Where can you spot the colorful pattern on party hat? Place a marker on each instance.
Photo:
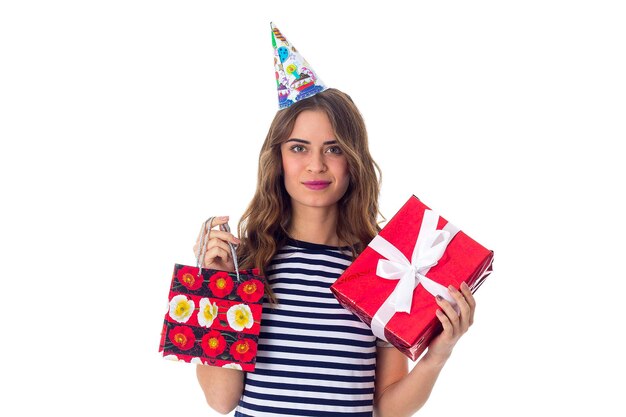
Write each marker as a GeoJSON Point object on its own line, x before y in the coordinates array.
{"type": "Point", "coordinates": [295, 79]}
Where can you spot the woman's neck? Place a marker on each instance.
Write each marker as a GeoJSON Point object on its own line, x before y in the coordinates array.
{"type": "Point", "coordinates": [315, 225]}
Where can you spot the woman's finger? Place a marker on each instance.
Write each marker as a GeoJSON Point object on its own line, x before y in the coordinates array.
{"type": "Point", "coordinates": [225, 236]}
{"type": "Point", "coordinates": [464, 308]}
{"type": "Point", "coordinates": [206, 233]}
{"type": "Point", "coordinates": [219, 220]}
{"type": "Point", "coordinates": [471, 301]}
{"type": "Point", "coordinates": [215, 221]}
{"type": "Point", "coordinates": [450, 312]}
{"type": "Point", "coordinates": [448, 329]}
{"type": "Point", "coordinates": [219, 243]}
{"type": "Point", "coordinates": [214, 253]}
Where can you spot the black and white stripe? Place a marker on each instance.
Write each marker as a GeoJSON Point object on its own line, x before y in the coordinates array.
{"type": "Point", "coordinates": [314, 357]}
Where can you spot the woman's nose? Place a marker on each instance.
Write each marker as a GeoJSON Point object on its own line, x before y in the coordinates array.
{"type": "Point", "coordinates": [317, 163]}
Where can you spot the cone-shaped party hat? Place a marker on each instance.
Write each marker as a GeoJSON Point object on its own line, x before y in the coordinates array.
{"type": "Point", "coordinates": [295, 79]}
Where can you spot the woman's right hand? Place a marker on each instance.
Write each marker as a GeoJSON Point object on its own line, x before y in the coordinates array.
{"type": "Point", "coordinates": [218, 255]}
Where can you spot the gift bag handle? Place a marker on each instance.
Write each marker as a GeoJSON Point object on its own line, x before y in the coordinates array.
{"type": "Point", "coordinates": [206, 231]}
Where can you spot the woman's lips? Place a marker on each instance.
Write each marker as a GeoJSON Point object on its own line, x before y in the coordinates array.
{"type": "Point", "coordinates": [316, 185]}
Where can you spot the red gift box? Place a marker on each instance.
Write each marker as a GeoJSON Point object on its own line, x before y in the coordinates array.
{"type": "Point", "coordinates": [391, 285]}
{"type": "Point", "coordinates": [213, 317]}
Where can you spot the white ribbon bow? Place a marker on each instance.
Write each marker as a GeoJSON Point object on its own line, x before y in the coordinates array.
{"type": "Point", "coordinates": [429, 248]}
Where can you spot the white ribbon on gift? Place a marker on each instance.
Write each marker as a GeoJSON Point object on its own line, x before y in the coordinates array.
{"type": "Point", "coordinates": [429, 248]}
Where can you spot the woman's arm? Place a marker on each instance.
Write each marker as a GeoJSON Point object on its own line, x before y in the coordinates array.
{"type": "Point", "coordinates": [222, 387]}
{"type": "Point", "coordinates": [399, 393]}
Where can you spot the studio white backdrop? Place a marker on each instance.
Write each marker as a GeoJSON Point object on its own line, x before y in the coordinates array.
{"type": "Point", "coordinates": [125, 124]}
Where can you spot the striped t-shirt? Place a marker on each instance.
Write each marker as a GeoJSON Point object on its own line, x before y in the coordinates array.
{"type": "Point", "coordinates": [314, 357]}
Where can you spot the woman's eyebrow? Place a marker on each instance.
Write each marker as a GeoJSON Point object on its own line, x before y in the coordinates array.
{"type": "Point", "coordinates": [329, 142]}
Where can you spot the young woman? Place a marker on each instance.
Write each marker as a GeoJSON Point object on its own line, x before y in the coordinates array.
{"type": "Point", "coordinates": [315, 209]}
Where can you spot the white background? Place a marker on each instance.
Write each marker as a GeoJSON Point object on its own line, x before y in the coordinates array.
{"type": "Point", "coordinates": [124, 124]}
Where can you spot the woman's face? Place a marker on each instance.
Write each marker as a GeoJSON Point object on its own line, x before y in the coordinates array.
{"type": "Point", "coordinates": [314, 166]}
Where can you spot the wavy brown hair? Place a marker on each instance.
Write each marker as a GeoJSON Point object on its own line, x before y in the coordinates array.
{"type": "Point", "coordinates": [263, 226]}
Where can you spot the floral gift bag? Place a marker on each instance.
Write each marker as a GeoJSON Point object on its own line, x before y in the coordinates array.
{"type": "Point", "coordinates": [213, 316]}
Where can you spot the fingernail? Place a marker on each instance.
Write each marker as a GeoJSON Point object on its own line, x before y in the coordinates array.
{"type": "Point", "coordinates": [464, 286]}
{"type": "Point", "coordinates": [438, 297]}
{"type": "Point", "coordinates": [237, 240]}
{"type": "Point", "coordinates": [439, 312]}
{"type": "Point", "coordinates": [451, 288]}
{"type": "Point", "coordinates": [222, 218]}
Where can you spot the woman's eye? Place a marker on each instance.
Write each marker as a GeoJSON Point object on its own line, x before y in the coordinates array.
{"type": "Point", "coordinates": [335, 149]}
{"type": "Point", "coordinates": [297, 148]}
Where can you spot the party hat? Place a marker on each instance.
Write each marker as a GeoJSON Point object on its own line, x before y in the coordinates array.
{"type": "Point", "coordinates": [295, 79]}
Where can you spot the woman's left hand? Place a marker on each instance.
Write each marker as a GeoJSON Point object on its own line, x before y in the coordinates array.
{"type": "Point", "coordinates": [454, 325]}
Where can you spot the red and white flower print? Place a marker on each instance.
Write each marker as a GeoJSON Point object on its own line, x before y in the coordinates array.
{"type": "Point", "coordinates": [181, 308]}
{"type": "Point", "coordinates": [188, 276]}
{"type": "Point", "coordinates": [250, 291]}
{"type": "Point", "coordinates": [240, 317]}
{"type": "Point", "coordinates": [232, 366]}
{"type": "Point", "coordinates": [243, 350]}
{"type": "Point", "coordinates": [182, 337]}
{"type": "Point", "coordinates": [221, 284]}
{"type": "Point", "coordinates": [207, 313]}
{"type": "Point", "coordinates": [213, 343]}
